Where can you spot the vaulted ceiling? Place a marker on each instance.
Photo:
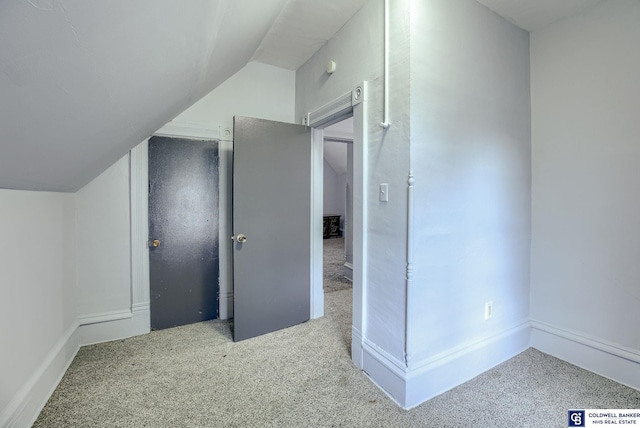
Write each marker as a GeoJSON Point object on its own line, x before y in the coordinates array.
{"type": "Point", "coordinates": [83, 81]}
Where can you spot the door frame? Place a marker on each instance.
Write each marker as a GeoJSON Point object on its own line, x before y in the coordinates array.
{"type": "Point", "coordinates": [139, 203]}
{"type": "Point", "coordinates": [353, 103]}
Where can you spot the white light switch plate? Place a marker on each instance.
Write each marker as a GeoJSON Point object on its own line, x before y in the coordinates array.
{"type": "Point", "coordinates": [384, 192]}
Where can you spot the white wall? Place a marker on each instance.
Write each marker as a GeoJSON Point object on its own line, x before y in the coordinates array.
{"type": "Point", "coordinates": [358, 51]}
{"type": "Point", "coordinates": [586, 184]}
{"type": "Point", "coordinates": [334, 191]}
{"type": "Point", "coordinates": [470, 154]}
{"type": "Point", "coordinates": [103, 243]}
{"type": "Point", "coordinates": [38, 305]}
{"type": "Point", "coordinates": [257, 90]}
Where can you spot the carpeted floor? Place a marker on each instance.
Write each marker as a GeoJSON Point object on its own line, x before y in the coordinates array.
{"type": "Point", "coordinates": [333, 264]}
{"type": "Point", "coordinates": [195, 376]}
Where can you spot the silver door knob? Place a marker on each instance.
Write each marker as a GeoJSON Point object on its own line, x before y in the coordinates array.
{"type": "Point", "coordinates": [241, 238]}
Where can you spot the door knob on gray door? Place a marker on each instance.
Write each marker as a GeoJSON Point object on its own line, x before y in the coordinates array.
{"type": "Point", "coordinates": [241, 238]}
{"type": "Point", "coordinates": [155, 243]}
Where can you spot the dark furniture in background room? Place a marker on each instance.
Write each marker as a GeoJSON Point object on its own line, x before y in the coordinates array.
{"type": "Point", "coordinates": [331, 226]}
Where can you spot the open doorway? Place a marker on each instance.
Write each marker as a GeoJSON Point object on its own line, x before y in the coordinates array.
{"type": "Point", "coordinates": [337, 206]}
{"type": "Point", "coordinates": [337, 233]}
{"type": "Point", "coordinates": [350, 105]}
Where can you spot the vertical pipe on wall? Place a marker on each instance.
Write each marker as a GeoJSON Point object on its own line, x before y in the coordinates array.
{"type": "Point", "coordinates": [385, 123]}
{"type": "Point", "coordinates": [408, 290]}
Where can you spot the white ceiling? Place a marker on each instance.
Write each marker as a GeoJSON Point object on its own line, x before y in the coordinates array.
{"type": "Point", "coordinates": [302, 28]}
{"type": "Point", "coordinates": [533, 15]}
{"type": "Point", "coordinates": [82, 82]}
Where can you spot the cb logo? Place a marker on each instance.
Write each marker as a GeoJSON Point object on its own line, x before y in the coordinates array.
{"type": "Point", "coordinates": [576, 418]}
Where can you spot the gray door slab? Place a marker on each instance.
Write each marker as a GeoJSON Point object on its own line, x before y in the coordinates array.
{"type": "Point", "coordinates": [272, 208]}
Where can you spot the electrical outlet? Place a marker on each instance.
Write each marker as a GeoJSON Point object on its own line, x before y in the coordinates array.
{"type": "Point", "coordinates": [488, 310]}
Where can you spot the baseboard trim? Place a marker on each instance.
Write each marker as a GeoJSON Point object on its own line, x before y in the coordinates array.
{"type": "Point", "coordinates": [105, 317]}
{"type": "Point", "coordinates": [411, 386]}
{"type": "Point", "coordinates": [138, 323]}
{"type": "Point", "coordinates": [612, 361]}
{"type": "Point", "coordinates": [433, 376]}
{"type": "Point", "coordinates": [356, 347]}
{"type": "Point", "coordinates": [348, 271]}
{"type": "Point", "coordinates": [387, 372]}
{"type": "Point", "coordinates": [24, 408]}
{"type": "Point", "coordinates": [226, 305]}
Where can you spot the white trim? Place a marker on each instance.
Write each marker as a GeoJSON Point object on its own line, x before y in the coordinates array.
{"type": "Point", "coordinates": [357, 341]}
{"type": "Point", "coordinates": [453, 367]}
{"type": "Point", "coordinates": [339, 136]}
{"type": "Point", "coordinates": [619, 363]}
{"type": "Point", "coordinates": [386, 371]}
{"type": "Point", "coordinates": [188, 130]}
{"type": "Point", "coordinates": [446, 370]}
{"type": "Point", "coordinates": [465, 348]}
{"type": "Point", "coordinates": [348, 271]}
{"type": "Point", "coordinates": [105, 317]}
{"type": "Point", "coordinates": [139, 203]}
{"type": "Point", "coordinates": [117, 329]}
{"type": "Point", "coordinates": [350, 104]}
{"type": "Point", "coordinates": [359, 215]}
{"type": "Point", "coordinates": [385, 120]}
{"type": "Point", "coordinates": [26, 405]}
{"type": "Point", "coordinates": [315, 238]}
{"type": "Point", "coordinates": [225, 220]}
{"type": "Point", "coordinates": [409, 274]}
{"type": "Point", "coordinates": [225, 300]}
{"type": "Point", "coordinates": [332, 112]}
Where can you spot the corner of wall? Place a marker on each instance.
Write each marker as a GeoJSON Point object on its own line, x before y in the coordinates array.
{"type": "Point", "coordinates": [26, 405]}
{"type": "Point", "coordinates": [421, 381]}
{"type": "Point", "coordinates": [606, 359]}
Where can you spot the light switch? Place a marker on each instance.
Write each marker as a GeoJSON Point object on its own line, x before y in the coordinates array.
{"type": "Point", "coordinates": [384, 192]}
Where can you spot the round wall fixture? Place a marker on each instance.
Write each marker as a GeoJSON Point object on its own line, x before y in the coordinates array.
{"type": "Point", "coordinates": [331, 67]}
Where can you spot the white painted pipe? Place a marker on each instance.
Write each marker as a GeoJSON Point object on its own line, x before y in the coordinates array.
{"type": "Point", "coordinates": [385, 123]}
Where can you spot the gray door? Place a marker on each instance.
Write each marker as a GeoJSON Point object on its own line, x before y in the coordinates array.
{"type": "Point", "coordinates": [272, 215]}
{"type": "Point", "coordinates": [183, 231]}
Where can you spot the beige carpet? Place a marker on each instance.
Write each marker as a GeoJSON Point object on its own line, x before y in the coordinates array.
{"type": "Point", "coordinates": [195, 376]}
{"type": "Point", "coordinates": [333, 265]}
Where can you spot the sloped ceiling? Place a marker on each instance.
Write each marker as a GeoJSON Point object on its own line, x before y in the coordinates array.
{"type": "Point", "coordinates": [302, 28]}
{"type": "Point", "coordinates": [83, 81]}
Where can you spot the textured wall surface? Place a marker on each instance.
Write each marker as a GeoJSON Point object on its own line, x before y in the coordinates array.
{"type": "Point", "coordinates": [358, 51]}
{"type": "Point", "coordinates": [470, 154]}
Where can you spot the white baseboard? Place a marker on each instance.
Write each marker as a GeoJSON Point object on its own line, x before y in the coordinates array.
{"type": "Point", "coordinates": [444, 371]}
{"type": "Point", "coordinates": [356, 347]}
{"type": "Point", "coordinates": [104, 317]}
{"type": "Point", "coordinates": [426, 379]}
{"type": "Point", "coordinates": [348, 271]}
{"type": "Point", "coordinates": [226, 305]}
{"type": "Point", "coordinates": [115, 329]}
{"type": "Point", "coordinates": [612, 361]}
{"type": "Point", "coordinates": [24, 408]}
{"type": "Point", "coordinates": [387, 372]}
